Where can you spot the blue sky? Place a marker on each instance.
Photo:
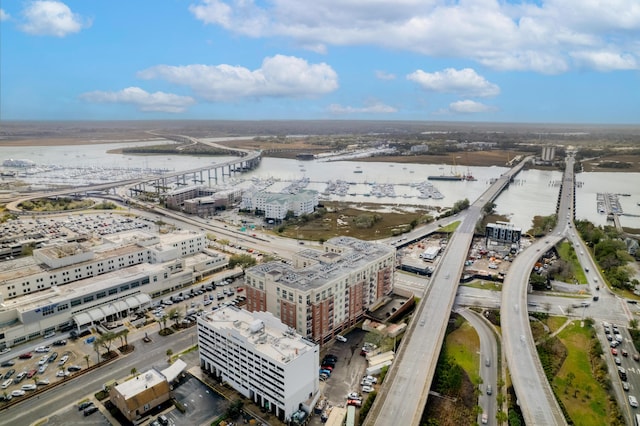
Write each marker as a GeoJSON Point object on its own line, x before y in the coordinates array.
{"type": "Point", "coordinates": [562, 61]}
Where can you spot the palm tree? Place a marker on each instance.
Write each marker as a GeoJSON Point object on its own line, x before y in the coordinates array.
{"type": "Point", "coordinates": [134, 371]}
{"type": "Point", "coordinates": [107, 339]}
{"type": "Point", "coordinates": [35, 380]}
{"type": "Point", "coordinates": [125, 333]}
{"type": "Point", "coordinates": [61, 368]}
{"type": "Point", "coordinates": [163, 320]}
{"type": "Point", "coordinates": [169, 353]}
{"type": "Point", "coordinates": [175, 315]}
{"type": "Point", "coordinates": [96, 346]}
{"type": "Point", "coordinates": [86, 358]}
{"type": "Point", "coordinates": [633, 323]}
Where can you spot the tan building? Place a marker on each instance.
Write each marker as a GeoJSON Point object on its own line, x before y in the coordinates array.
{"type": "Point", "coordinates": [324, 291]}
{"type": "Point", "coordinates": [137, 396]}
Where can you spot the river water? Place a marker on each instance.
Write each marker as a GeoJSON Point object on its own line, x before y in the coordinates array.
{"type": "Point", "coordinates": [534, 192]}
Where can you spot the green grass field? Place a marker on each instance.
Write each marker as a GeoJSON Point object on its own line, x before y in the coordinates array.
{"type": "Point", "coordinates": [585, 400]}
{"type": "Point", "coordinates": [567, 253]}
{"type": "Point", "coordinates": [463, 346]}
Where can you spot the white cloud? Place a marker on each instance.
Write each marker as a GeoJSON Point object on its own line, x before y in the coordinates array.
{"type": "Point", "coordinates": [4, 16]}
{"type": "Point", "coordinates": [464, 82]}
{"type": "Point", "coordinates": [606, 61]}
{"type": "Point", "coordinates": [279, 76]}
{"type": "Point", "coordinates": [526, 35]}
{"type": "Point", "coordinates": [469, 107]}
{"type": "Point", "coordinates": [370, 108]}
{"type": "Point", "coordinates": [383, 75]}
{"type": "Point", "coordinates": [52, 18]}
{"type": "Point", "coordinates": [143, 100]}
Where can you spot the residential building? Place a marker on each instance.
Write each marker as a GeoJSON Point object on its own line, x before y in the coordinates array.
{"type": "Point", "coordinates": [323, 292]}
{"type": "Point", "coordinates": [276, 205]}
{"type": "Point", "coordinates": [261, 358]}
{"type": "Point", "coordinates": [503, 232]}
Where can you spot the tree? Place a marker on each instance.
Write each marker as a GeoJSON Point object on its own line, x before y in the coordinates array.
{"type": "Point", "coordinates": [134, 371]}
{"type": "Point", "coordinates": [96, 347]}
{"type": "Point", "coordinates": [35, 379]}
{"type": "Point", "coordinates": [501, 417]}
{"type": "Point", "coordinates": [570, 377]}
{"type": "Point", "coordinates": [169, 353]}
{"type": "Point", "coordinates": [175, 315]}
{"type": "Point", "coordinates": [125, 333]}
{"type": "Point", "coordinates": [243, 260]}
{"type": "Point", "coordinates": [107, 339]}
{"type": "Point", "coordinates": [86, 358]}
{"type": "Point", "coordinates": [633, 323]}
{"type": "Point", "coordinates": [163, 320]}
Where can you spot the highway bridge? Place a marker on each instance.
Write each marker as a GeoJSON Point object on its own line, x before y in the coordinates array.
{"type": "Point", "coordinates": [535, 396]}
{"type": "Point", "coordinates": [404, 393]}
{"type": "Point", "coordinates": [247, 160]}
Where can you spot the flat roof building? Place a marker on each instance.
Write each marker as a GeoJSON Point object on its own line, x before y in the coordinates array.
{"type": "Point", "coordinates": [325, 291]}
{"type": "Point", "coordinates": [261, 358]}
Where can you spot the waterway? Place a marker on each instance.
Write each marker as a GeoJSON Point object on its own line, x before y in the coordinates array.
{"type": "Point", "coordinates": [534, 192]}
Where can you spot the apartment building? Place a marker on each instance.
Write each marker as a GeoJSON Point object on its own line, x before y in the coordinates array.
{"type": "Point", "coordinates": [277, 205]}
{"type": "Point", "coordinates": [261, 358]}
{"type": "Point", "coordinates": [323, 292]}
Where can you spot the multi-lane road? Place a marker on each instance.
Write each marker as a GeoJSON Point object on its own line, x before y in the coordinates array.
{"type": "Point", "coordinates": [404, 393]}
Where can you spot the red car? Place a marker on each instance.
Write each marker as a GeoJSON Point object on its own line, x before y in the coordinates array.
{"type": "Point", "coordinates": [614, 351]}
{"type": "Point", "coordinates": [26, 355]}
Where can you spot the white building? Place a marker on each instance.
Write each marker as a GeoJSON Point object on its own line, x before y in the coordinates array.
{"type": "Point", "coordinates": [71, 285]}
{"type": "Point", "coordinates": [261, 358]}
{"type": "Point", "coordinates": [276, 205]}
{"type": "Point", "coordinates": [323, 292]}
{"type": "Point", "coordinates": [548, 153]}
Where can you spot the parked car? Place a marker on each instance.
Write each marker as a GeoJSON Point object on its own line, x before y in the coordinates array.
{"type": "Point", "coordinates": [90, 410]}
{"type": "Point", "coordinates": [42, 382]}
{"type": "Point", "coordinates": [74, 368]}
{"type": "Point", "coordinates": [6, 383]}
{"type": "Point", "coordinates": [625, 386]}
{"type": "Point", "coordinates": [62, 373]}
{"type": "Point", "coordinates": [633, 401]}
{"type": "Point", "coordinates": [85, 404]}
{"type": "Point", "coordinates": [20, 392]}
{"type": "Point", "coordinates": [614, 351]}
{"type": "Point", "coordinates": [367, 389]}
{"type": "Point", "coordinates": [42, 368]}
{"type": "Point", "coordinates": [29, 387]}
{"type": "Point", "coordinates": [5, 351]}
{"type": "Point", "coordinates": [42, 349]}
{"type": "Point", "coordinates": [49, 334]}
{"type": "Point", "coordinates": [625, 353]}
{"type": "Point", "coordinates": [617, 361]}
{"type": "Point", "coordinates": [64, 359]}
{"type": "Point", "coordinates": [59, 342]}
{"type": "Point", "coordinates": [31, 373]}
{"type": "Point", "coordinates": [9, 373]}
{"type": "Point", "coordinates": [26, 355]}
{"type": "Point", "coordinates": [20, 377]}
{"type": "Point", "coordinates": [9, 363]}
{"type": "Point", "coordinates": [340, 338]}
{"type": "Point", "coordinates": [53, 356]}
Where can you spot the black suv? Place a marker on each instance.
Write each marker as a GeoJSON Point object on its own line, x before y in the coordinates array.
{"type": "Point", "coordinates": [59, 343]}
{"type": "Point", "coordinates": [90, 410]}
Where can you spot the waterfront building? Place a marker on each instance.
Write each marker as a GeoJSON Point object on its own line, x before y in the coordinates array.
{"type": "Point", "coordinates": [323, 292]}
{"type": "Point", "coordinates": [276, 205]}
{"type": "Point", "coordinates": [261, 358]}
{"type": "Point", "coordinates": [503, 232]}
{"type": "Point", "coordinates": [202, 200]}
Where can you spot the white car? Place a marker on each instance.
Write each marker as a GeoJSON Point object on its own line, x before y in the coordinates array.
{"type": "Point", "coordinates": [367, 389]}
{"type": "Point", "coordinates": [29, 387]}
{"type": "Point", "coordinates": [4, 351]}
{"type": "Point", "coordinates": [18, 392]}
{"type": "Point", "coordinates": [43, 360]}
{"type": "Point", "coordinates": [6, 383]}
{"type": "Point", "coordinates": [633, 401]}
{"type": "Point", "coordinates": [43, 382]}
{"type": "Point", "coordinates": [340, 338]}
{"type": "Point", "coordinates": [62, 373]}
{"type": "Point", "coordinates": [370, 379]}
{"type": "Point", "coordinates": [63, 360]}
{"type": "Point", "coordinates": [353, 395]}
{"type": "Point", "coordinates": [42, 349]}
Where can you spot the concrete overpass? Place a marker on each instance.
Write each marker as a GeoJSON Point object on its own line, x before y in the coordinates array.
{"type": "Point", "coordinates": [404, 393]}
{"type": "Point", "coordinates": [535, 396]}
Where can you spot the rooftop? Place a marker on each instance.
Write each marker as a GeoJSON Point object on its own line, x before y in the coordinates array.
{"type": "Point", "coordinates": [261, 330]}
{"type": "Point", "coordinates": [134, 387]}
{"type": "Point", "coordinates": [330, 265]}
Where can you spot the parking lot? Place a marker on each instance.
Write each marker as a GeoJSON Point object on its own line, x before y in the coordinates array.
{"type": "Point", "coordinates": [347, 373]}
{"type": "Point", "coordinates": [71, 415]}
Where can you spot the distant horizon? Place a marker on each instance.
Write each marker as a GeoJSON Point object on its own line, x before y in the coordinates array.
{"type": "Point", "coordinates": [512, 62]}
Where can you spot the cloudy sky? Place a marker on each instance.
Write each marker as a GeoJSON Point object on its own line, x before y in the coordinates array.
{"type": "Point", "coordinates": [566, 61]}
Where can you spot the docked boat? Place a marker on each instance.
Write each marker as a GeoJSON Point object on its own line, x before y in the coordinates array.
{"type": "Point", "coordinates": [446, 177]}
